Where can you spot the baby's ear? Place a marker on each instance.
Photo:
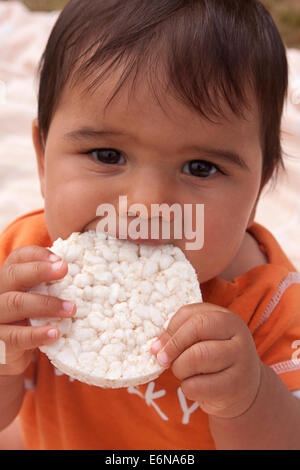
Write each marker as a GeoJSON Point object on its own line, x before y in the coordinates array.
{"type": "Point", "coordinates": [39, 153]}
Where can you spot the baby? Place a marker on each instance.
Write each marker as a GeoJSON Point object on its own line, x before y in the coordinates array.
{"type": "Point", "coordinates": [173, 101]}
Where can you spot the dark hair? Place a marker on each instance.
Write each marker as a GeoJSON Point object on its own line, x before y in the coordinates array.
{"type": "Point", "coordinates": [210, 50]}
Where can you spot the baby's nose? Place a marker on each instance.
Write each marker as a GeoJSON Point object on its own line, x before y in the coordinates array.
{"type": "Point", "coordinates": [148, 188]}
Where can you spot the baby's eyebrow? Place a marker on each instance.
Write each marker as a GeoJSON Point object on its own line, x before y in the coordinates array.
{"type": "Point", "coordinates": [88, 133]}
{"type": "Point", "coordinates": [222, 154]}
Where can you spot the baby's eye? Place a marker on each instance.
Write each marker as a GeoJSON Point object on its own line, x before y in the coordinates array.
{"type": "Point", "coordinates": [200, 168]}
{"type": "Point", "coordinates": [108, 156]}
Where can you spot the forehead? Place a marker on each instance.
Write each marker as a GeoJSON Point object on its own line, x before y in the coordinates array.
{"type": "Point", "coordinates": [141, 105]}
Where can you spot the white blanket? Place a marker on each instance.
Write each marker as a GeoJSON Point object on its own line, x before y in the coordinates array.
{"type": "Point", "coordinates": [23, 35]}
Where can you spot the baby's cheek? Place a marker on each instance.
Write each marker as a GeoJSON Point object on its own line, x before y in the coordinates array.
{"type": "Point", "coordinates": [221, 243]}
{"type": "Point", "coordinates": [68, 207]}
{"type": "Point", "coordinates": [61, 218]}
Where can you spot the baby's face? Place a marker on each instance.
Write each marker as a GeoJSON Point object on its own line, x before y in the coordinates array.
{"type": "Point", "coordinates": [150, 163]}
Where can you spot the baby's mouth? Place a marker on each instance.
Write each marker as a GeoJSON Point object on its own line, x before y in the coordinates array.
{"type": "Point", "coordinates": [146, 241]}
{"type": "Point", "coordinates": [138, 239]}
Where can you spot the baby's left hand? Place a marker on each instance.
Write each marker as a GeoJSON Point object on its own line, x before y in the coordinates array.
{"type": "Point", "coordinates": [212, 352]}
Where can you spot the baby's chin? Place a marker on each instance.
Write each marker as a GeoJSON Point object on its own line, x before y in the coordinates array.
{"type": "Point", "coordinates": [206, 266]}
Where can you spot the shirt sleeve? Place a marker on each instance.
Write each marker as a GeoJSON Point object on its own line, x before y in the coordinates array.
{"type": "Point", "coordinates": [277, 334]}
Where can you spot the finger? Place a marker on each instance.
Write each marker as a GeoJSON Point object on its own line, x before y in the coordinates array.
{"type": "Point", "coordinates": [182, 315]}
{"type": "Point", "coordinates": [202, 326]}
{"type": "Point", "coordinates": [18, 306]}
{"type": "Point", "coordinates": [26, 254]}
{"type": "Point", "coordinates": [220, 394]}
{"type": "Point", "coordinates": [206, 357]}
{"type": "Point", "coordinates": [209, 389]}
{"type": "Point", "coordinates": [21, 277]}
{"type": "Point", "coordinates": [16, 338]}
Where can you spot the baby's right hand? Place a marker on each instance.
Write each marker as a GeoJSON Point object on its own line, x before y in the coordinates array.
{"type": "Point", "coordinates": [24, 269]}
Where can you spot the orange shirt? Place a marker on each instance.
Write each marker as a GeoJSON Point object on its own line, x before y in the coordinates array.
{"type": "Point", "coordinates": [62, 413]}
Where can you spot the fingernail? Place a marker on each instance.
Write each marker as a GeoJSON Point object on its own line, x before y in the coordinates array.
{"type": "Point", "coordinates": [57, 266]}
{"type": "Point", "coordinates": [163, 359]}
{"type": "Point", "coordinates": [54, 258]}
{"type": "Point", "coordinates": [68, 306]}
{"type": "Point", "coordinates": [156, 347]}
{"type": "Point", "coordinates": [52, 334]}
